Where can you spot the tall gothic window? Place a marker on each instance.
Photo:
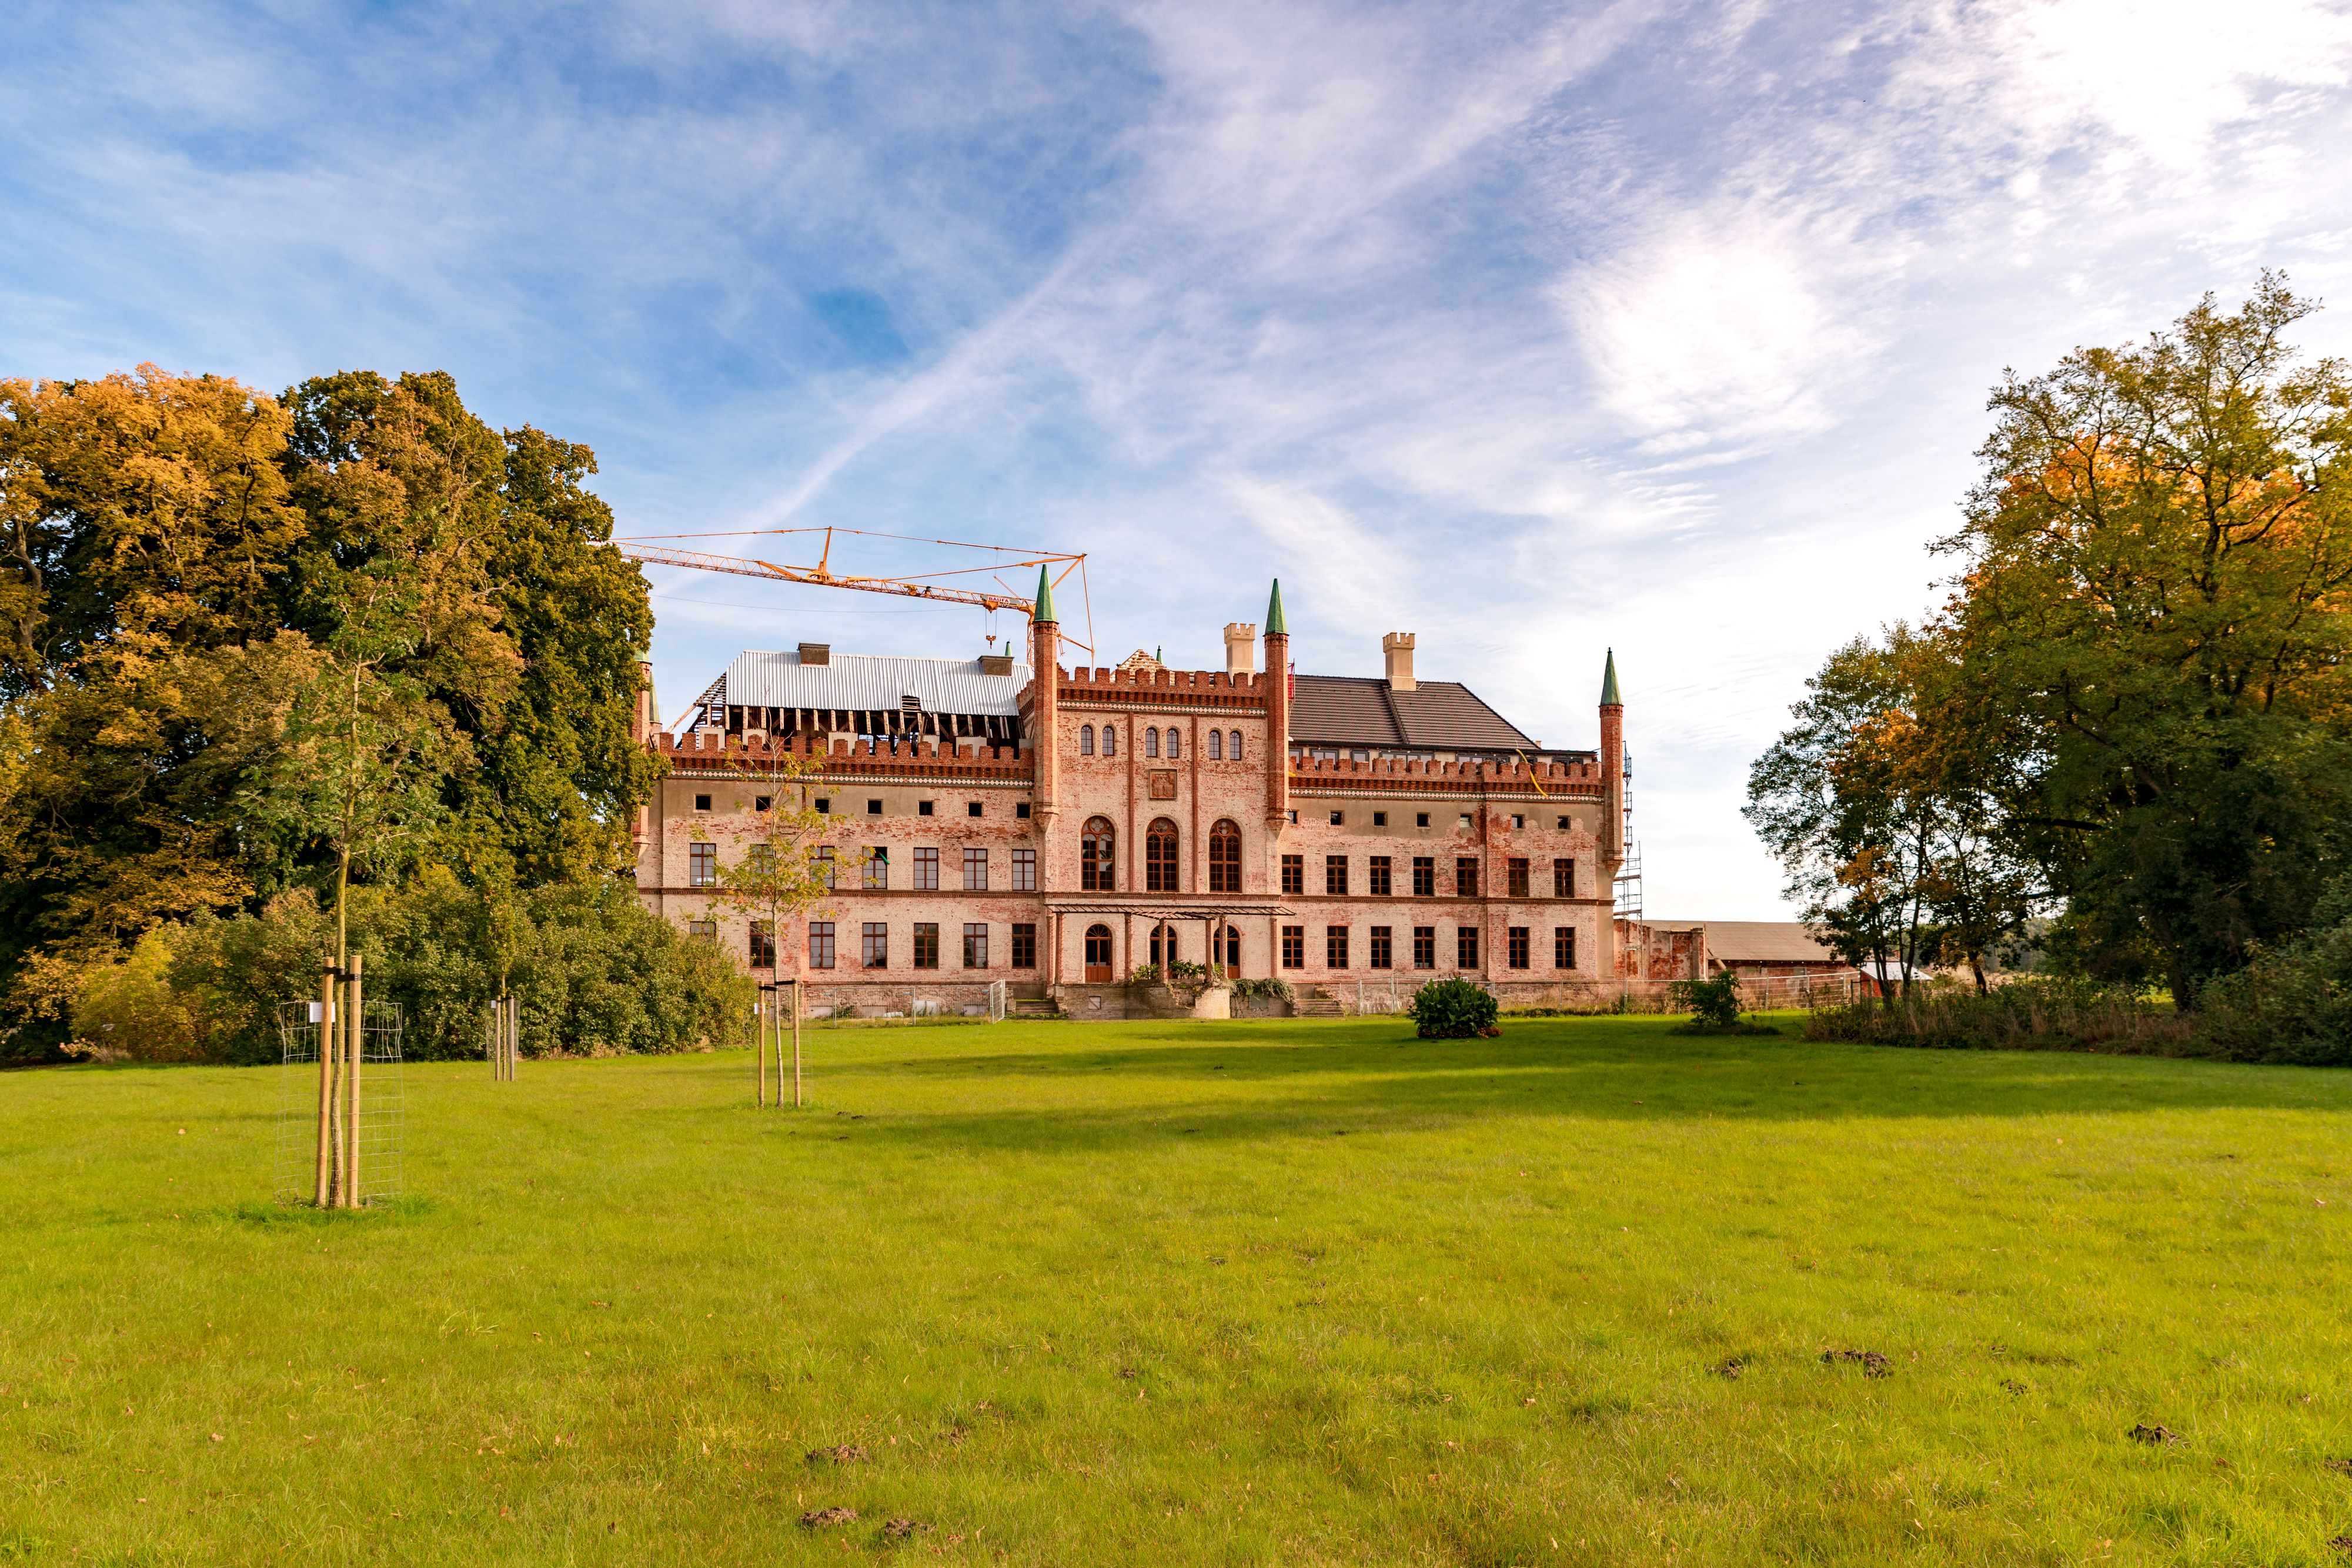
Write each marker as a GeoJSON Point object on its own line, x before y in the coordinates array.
{"type": "Point", "coordinates": [1094, 856]}
{"type": "Point", "coordinates": [1216, 745]}
{"type": "Point", "coordinates": [1151, 743]}
{"type": "Point", "coordinates": [1160, 857]}
{"type": "Point", "coordinates": [1175, 744]}
{"type": "Point", "coordinates": [1085, 740]}
{"type": "Point", "coordinates": [1110, 741]}
{"type": "Point", "coordinates": [1224, 857]}
{"type": "Point", "coordinates": [1234, 747]}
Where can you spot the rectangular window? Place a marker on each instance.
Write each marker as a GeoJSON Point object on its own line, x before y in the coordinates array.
{"type": "Point", "coordinates": [1293, 947]}
{"type": "Point", "coordinates": [1335, 946]}
{"type": "Point", "coordinates": [763, 945]}
{"type": "Point", "coordinates": [1338, 818]}
{"type": "Point", "coordinates": [706, 929]}
{"type": "Point", "coordinates": [702, 802]}
{"type": "Point", "coordinates": [1334, 875]}
{"type": "Point", "coordinates": [1466, 947]}
{"type": "Point", "coordinates": [762, 803]}
{"type": "Point", "coordinates": [922, 807]}
{"type": "Point", "coordinates": [873, 807]}
{"type": "Point", "coordinates": [971, 809]}
{"type": "Point", "coordinates": [1519, 958]}
{"type": "Point", "coordinates": [1563, 946]}
{"type": "Point", "coordinates": [826, 867]}
{"type": "Point", "coordinates": [824, 806]}
{"type": "Point", "coordinates": [1515, 871]}
{"type": "Point", "coordinates": [877, 866]}
{"type": "Point", "coordinates": [926, 944]}
{"type": "Point", "coordinates": [975, 945]}
{"type": "Point", "coordinates": [1425, 946]}
{"type": "Point", "coordinates": [1465, 877]}
{"type": "Point", "coordinates": [1518, 821]}
{"type": "Point", "coordinates": [702, 865]}
{"type": "Point", "coordinates": [875, 939]}
{"type": "Point", "coordinates": [1375, 876]}
{"type": "Point", "coordinates": [1380, 818]}
{"type": "Point", "coordinates": [1563, 879]}
{"type": "Point", "coordinates": [1025, 946]}
{"type": "Point", "coordinates": [975, 870]}
{"type": "Point", "coordinates": [1420, 819]}
{"type": "Point", "coordinates": [1020, 810]}
{"type": "Point", "coordinates": [1294, 873]}
{"type": "Point", "coordinates": [1425, 876]}
{"type": "Point", "coordinates": [1382, 953]}
{"type": "Point", "coordinates": [820, 943]}
{"type": "Point", "coordinates": [926, 871]}
{"type": "Point", "coordinates": [1024, 871]}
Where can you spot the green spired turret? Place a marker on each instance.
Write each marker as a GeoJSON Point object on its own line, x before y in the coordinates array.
{"type": "Point", "coordinates": [1274, 626]}
{"type": "Point", "coordinates": [1045, 610]}
{"type": "Point", "coordinates": [1609, 697]}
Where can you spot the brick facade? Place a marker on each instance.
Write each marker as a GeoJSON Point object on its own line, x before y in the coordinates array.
{"type": "Point", "coordinates": [1512, 823]}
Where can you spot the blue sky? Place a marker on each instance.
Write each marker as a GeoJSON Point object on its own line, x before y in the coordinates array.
{"type": "Point", "coordinates": [1531, 329]}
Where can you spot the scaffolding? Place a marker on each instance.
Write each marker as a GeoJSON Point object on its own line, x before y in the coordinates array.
{"type": "Point", "coordinates": [1626, 888]}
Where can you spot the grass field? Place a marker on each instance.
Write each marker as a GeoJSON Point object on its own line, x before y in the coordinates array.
{"type": "Point", "coordinates": [1172, 1293]}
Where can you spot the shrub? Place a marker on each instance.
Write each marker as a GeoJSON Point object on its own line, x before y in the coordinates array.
{"type": "Point", "coordinates": [1452, 1010]}
{"type": "Point", "coordinates": [1714, 1004]}
{"type": "Point", "coordinates": [1273, 987]}
{"type": "Point", "coordinates": [2023, 1014]}
{"type": "Point", "coordinates": [2291, 1004]}
{"type": "Point", "coordinates": [128, 1012]}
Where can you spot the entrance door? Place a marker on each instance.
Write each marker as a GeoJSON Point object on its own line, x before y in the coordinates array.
{"type": "Point", "coordinates": [1097, 955]}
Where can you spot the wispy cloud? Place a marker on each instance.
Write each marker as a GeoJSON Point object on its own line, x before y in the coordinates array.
{"type": "Point", "coordinates": [1659, 324]}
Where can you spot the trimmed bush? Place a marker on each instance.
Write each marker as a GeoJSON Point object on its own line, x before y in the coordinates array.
{"type": "Point", "coordinates": [1714, 1004]}
{"type": "Point", "coordinates": [1453, 1009]}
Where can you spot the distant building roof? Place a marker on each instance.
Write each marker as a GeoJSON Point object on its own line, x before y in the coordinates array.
{"type": "Point", "coordinates": [1759, 941]}
{"type": "Point", "coordinates": [1435, 716]}
{"type": "Point", "coordinates": [864, 681]}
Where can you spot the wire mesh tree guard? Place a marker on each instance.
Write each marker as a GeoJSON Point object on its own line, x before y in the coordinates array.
{"type": "Point", "coordinates": [341, 1133]}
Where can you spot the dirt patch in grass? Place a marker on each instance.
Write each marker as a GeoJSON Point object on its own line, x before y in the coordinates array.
{"type": "Point", "coordinates": [818, 1518]}
{"type": "Point", "coordinates": [1873, 1364]}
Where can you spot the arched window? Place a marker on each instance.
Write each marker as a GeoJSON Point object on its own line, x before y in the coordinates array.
{"type": "Point", "coordinates": [1216, 745]}
{"type": "Point", "coordinates": [1094, 858]}
{"type": "Point", "coordinates": [1175, 744]}
{"type": "Point", "coordinates": [1085, 740]}
{"type": "Point", "coordinates": [1151, 743]}
{"type": "Point", "coordinates": [1110, 741]}
{"type": "Point", "coordinates": [1234, 747]}
{"type": "Point", "coordinates": [1232, 956]}
{"type": "Point", "coordinates": [1163, 945]}
{"type": "Point", "coordinates": [1225, 858]}
{"type": "Point", "coordinates": [1160, 856]}
{"type": "Point", "coordinates": [1097, 955]}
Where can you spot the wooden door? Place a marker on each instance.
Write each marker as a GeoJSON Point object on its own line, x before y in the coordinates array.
{"type": "Point", "coordinates": [1098, 955]}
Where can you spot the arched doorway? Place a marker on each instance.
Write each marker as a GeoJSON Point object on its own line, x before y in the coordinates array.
{"type": "Point", "coordinates": [1230, 954]}
{"type": "Point", "coordinates": [1099, 963]}
{"type": "Point", "coordinates": [1163, 943]}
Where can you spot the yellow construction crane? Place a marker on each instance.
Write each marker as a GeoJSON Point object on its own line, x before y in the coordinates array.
{"type": "Point", "coordinates": [921, 585]}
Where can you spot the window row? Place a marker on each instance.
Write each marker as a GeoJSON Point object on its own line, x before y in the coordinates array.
{"type": "Point", "coordinates": [874, 945]}
{"type": "Point", "coordinates": [1162, 862]}
{"type": "Point", "coordinates": [1379, 876]}
{"type": "Point", "coordinates": [1223, 745]}
{"type": "Point", "coordinates": [874, 867]}
{"type": "Point", "coordinates": [824, 805]}
{"type": "Point", "coordinates": [1380, 949]}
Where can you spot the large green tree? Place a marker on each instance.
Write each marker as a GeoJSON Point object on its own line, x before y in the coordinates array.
{"type": "Point", "coordinates": [190, 570]}
{"type": "Point", "coordinates": [2156, 570]}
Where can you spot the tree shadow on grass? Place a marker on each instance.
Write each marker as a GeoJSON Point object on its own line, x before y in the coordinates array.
{"type": "Point", "coordinates": [1373, 1076]}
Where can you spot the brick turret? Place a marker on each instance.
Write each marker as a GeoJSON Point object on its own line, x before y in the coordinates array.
{"type": "Point", "coordinates": [1277, 712]}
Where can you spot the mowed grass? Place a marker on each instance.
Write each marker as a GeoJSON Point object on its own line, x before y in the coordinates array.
{"type": "Point", "coordinates": [1172, 1293]}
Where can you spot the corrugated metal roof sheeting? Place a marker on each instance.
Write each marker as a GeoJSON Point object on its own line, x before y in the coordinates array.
{"type": "Point", "coordinates": [872, 682]}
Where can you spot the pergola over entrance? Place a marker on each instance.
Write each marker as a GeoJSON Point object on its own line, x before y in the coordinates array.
{"type": "Point", "coordinates": [1207, 918]}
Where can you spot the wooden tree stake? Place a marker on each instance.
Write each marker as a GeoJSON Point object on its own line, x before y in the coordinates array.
{"type": "Point", "coordinates": [324, 1192]}
{"type": "Point", "coordinates": [355, 1010]}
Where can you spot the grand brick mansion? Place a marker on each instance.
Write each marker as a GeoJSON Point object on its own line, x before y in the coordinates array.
{"type": "Point", "coordinates": [1057, 829]}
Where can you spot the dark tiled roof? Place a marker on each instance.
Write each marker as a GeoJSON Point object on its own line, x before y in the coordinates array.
{"type": "Point", "coordinates": [1435, 716]}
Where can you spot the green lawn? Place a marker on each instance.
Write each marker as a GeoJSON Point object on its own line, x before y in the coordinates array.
{"type": "Point", "coordinates": [1162, 1293]}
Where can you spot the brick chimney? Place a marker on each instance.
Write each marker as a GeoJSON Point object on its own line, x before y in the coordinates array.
{"type": "Point", "coordinates": [1398, 646]}
{"type": "Point", "coordinates": [1241, 647]}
